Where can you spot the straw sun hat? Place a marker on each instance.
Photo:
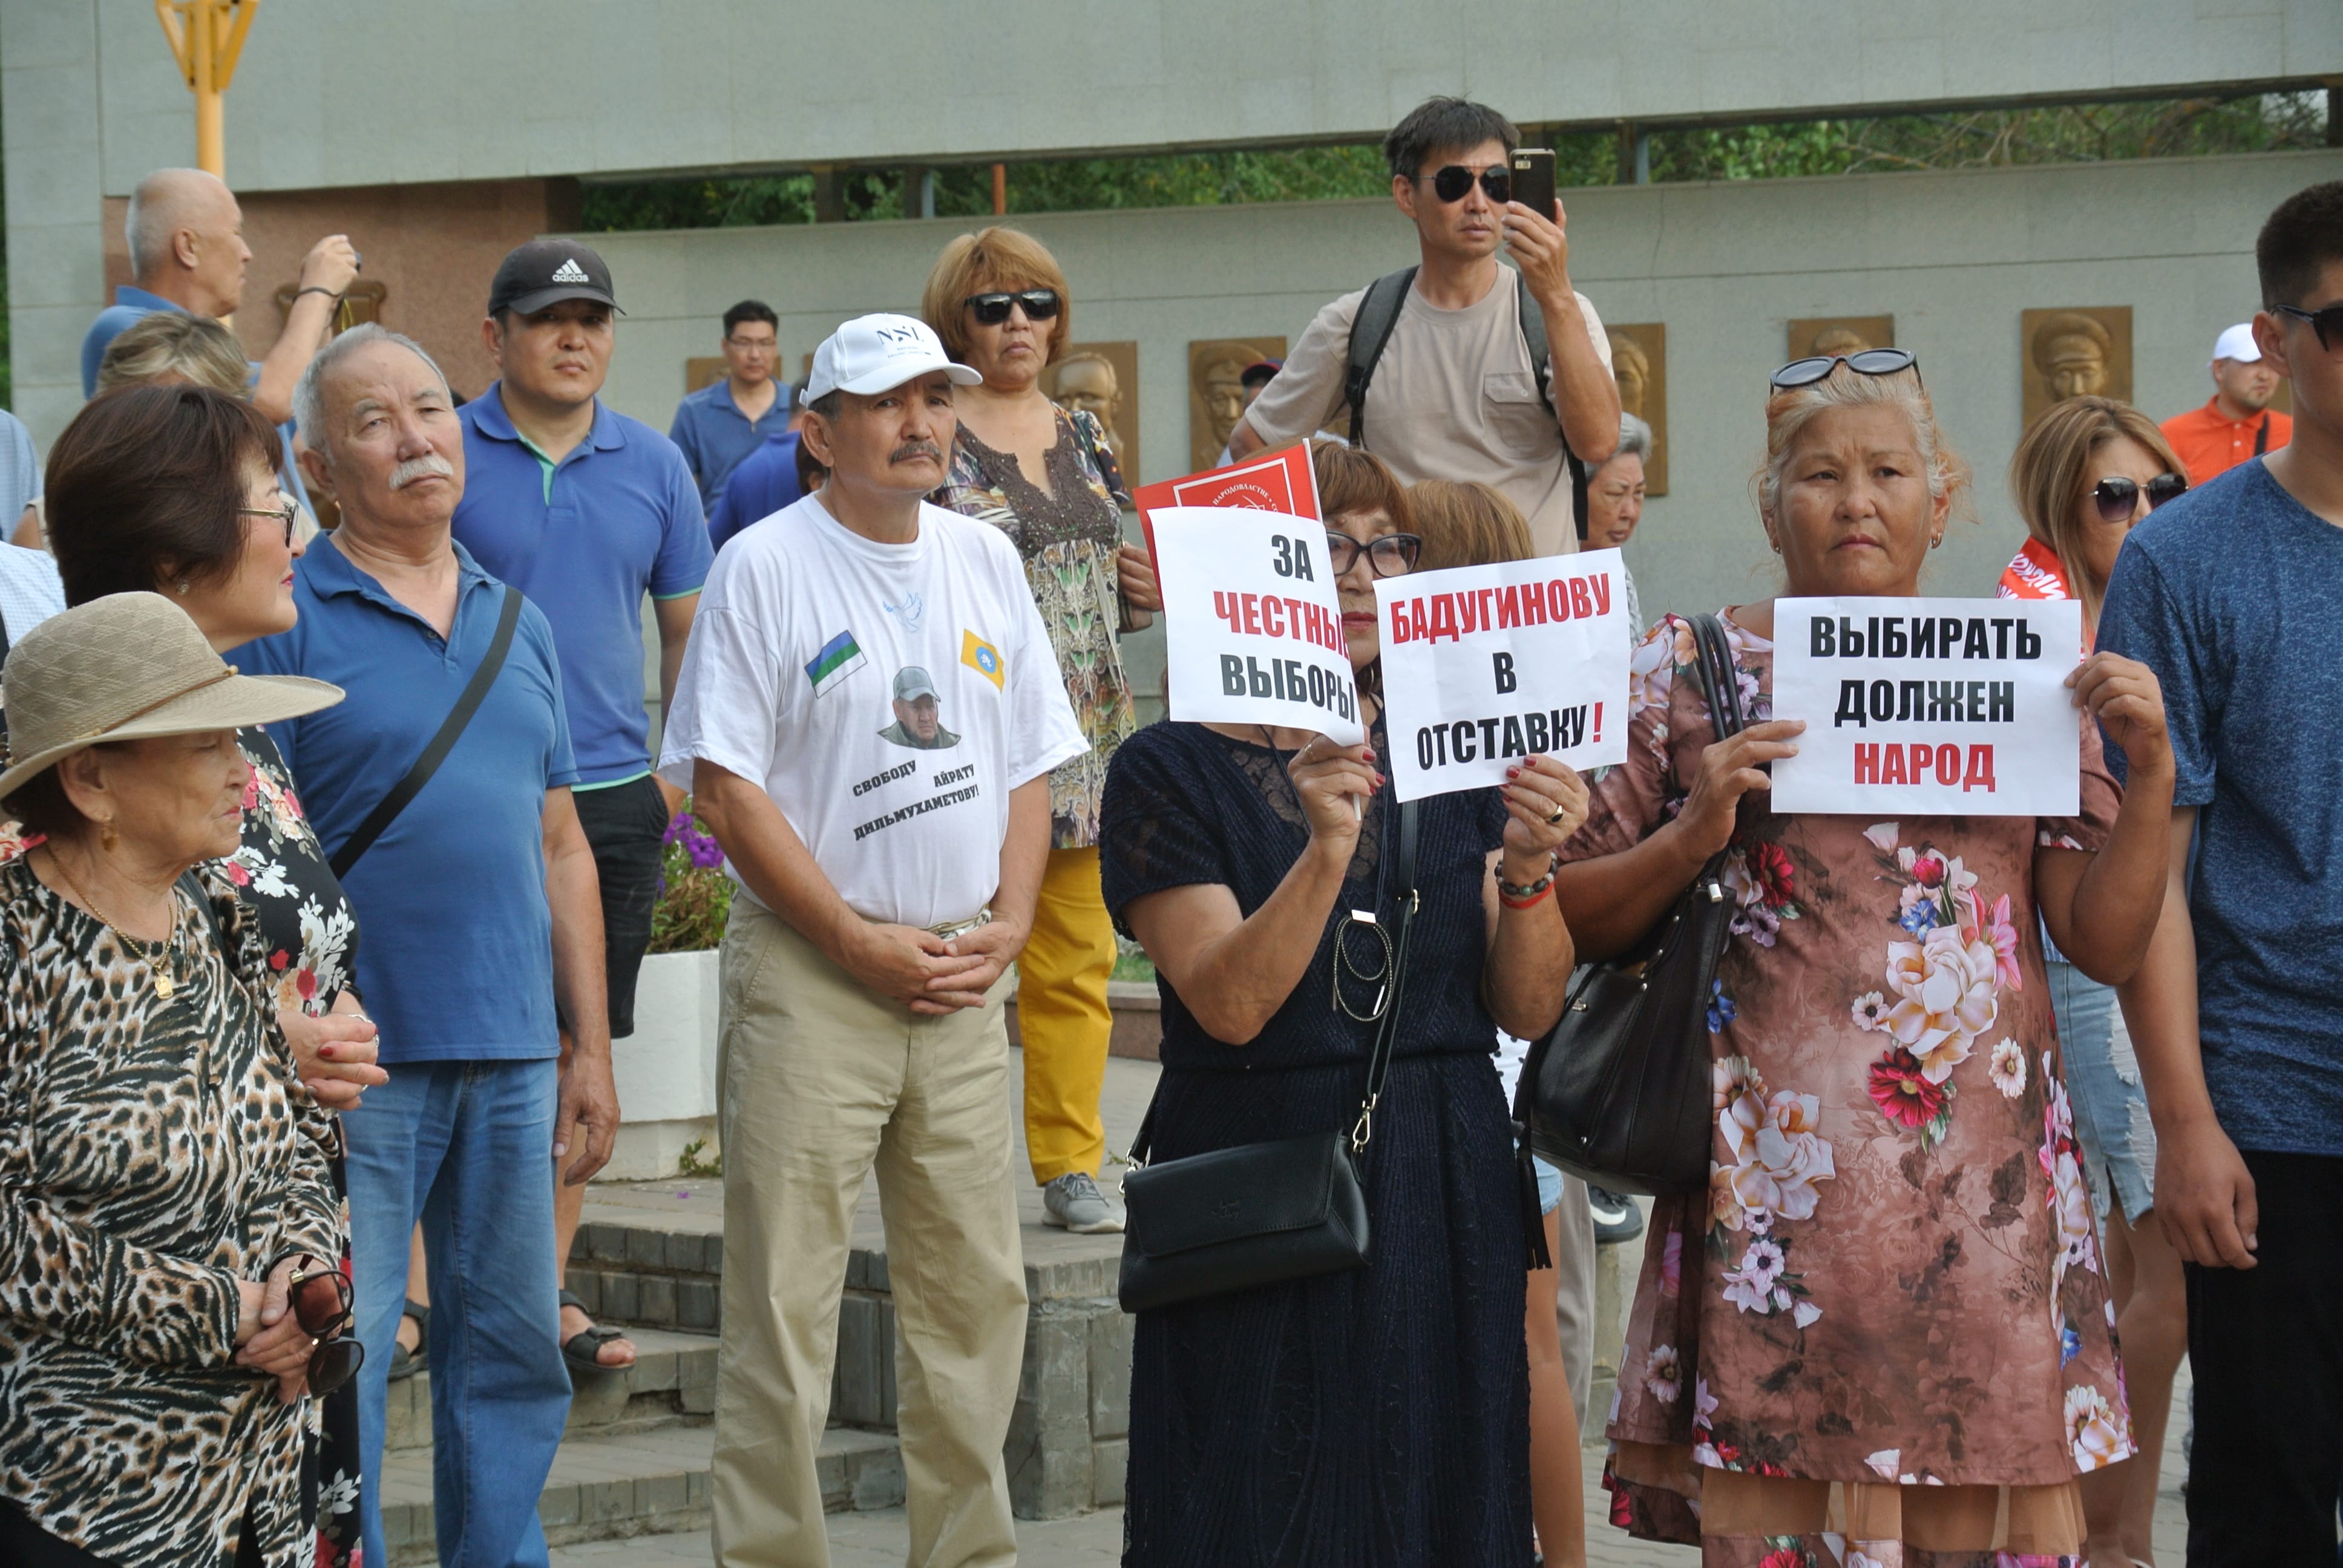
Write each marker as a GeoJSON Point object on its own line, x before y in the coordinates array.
{"type": "Point", "coordinates": [124, 668]}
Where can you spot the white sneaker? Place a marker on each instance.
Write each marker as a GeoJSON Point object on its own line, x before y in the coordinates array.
{"type": "Point", "coordinates": [1074, 1202]}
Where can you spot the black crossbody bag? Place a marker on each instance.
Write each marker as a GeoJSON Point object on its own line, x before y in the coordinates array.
{"type": "Point", "coordinates": [1261, 1214]}
{"type": "Point", "coordinates": [1618, 1093]}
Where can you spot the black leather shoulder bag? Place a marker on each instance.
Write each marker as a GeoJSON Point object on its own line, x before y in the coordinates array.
{"type": "Point", "coordinates": [1261, 1214]}
{"type": "Point", "coordinates": [1618, 1091]}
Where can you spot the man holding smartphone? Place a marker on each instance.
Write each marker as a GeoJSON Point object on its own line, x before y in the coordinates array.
{"type": "Point", "coordinates": [1455, 391]}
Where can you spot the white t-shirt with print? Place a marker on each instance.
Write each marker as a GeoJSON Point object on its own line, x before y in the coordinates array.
{"type": "Point", "coordinates": [805, 633]}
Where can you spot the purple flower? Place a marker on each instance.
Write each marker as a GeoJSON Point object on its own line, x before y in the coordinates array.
{"type": "Point", "coordinates": [705, 851]}
{"type": "Point", "coordinates": [677, 825]}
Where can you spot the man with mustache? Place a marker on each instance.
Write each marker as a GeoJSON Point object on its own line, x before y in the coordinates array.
{"type": "Point", "coordinates": [480, 925]}
{"type": "Point", "coordinates": [883, 893]}
{"type": "Point", "coordinates": [586, 511]}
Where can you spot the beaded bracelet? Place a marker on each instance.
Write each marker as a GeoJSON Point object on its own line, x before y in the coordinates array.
{"type": "Point", "coordinates": [1537, 891]}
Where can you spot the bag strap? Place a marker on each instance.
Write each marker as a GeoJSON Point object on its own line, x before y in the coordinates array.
{"type": "Point", "coordinates": [1370, 330]}
{"type": "Point", "coordinates": [1532, 322]}
{"type": "Point", "coordinates": [1386, 1032]}
{"type": "Point", "coordinates": [1720, 682]}
{"type": "Point", "coordinates": [2261, 436]}
{"type": "Point", "coordinates": [451, 729]}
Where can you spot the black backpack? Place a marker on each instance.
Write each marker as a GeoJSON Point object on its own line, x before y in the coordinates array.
{"type": "Point", "coordinates": [1370, 330]}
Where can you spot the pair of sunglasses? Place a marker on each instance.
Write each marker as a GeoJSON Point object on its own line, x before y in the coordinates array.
{"type": "Point", "coordinates": [2327, 323]}
{"type": "Point", "coordinates": [1863, 362]}
{"type": "Point", "coordinates": [992, 309]}
{"type": "Point", "coordinates": [1452, 183]}
{"type": "Point", "coordinates": [321, 1305]}
{"type": "Point", "coordinates": [1392, 556]}
{"type": "Point", "coordinates": [2119, 498]}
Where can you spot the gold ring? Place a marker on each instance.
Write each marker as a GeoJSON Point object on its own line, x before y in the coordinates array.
{"type": "Point", "coordinates": [1556, 815]}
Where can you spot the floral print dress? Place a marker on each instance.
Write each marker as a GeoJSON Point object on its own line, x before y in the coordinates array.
{"type": "Point", "coordinates": [1887, 1322]}
{"type": "Point", "coordinates": [1068, 537]}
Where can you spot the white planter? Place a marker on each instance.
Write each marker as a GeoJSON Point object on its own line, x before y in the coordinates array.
{"type": "Point", "coordinates": [666, 1070]}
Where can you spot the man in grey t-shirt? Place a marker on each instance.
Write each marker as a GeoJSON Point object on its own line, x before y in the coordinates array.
{"type": "Point", "coordinates": [1454, 394]}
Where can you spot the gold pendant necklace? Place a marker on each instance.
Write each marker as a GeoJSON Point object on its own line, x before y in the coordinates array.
{"type": "Point", "coordinates": [166, 974]}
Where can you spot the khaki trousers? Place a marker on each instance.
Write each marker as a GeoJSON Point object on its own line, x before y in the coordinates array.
{"type": "Point", "coordinates": [821, 1081]}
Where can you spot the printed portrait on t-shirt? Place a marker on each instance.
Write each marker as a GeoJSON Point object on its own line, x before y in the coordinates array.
{"type": "Point", "coordinates": [919, 713]}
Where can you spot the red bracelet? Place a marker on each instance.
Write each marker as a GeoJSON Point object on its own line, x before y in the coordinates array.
{"type": "Point", "coordinates": [1544, 892]}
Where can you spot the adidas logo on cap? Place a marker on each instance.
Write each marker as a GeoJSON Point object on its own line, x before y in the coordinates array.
{"type": "Point", "coordinates": [570, 272]}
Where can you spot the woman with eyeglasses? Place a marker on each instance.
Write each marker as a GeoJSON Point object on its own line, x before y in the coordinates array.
{"type": "Point", "coordinates": [1048, 479]}
{"type": "Point", "coordinates": [2085, 472]}
{"type": "Point", "coordinates": [172, 490]}
{"type": "Point", "coordinates": [172, 1291]}
{"type": "Point", "coordinates": [1885, 1333]}
{"type": "Point", "coordinates": [1377, 1416]}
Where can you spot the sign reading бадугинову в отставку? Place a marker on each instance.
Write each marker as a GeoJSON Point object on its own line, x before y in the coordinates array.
{"type": "Point", "coordinates": [1946, 707]}
{"type": "Point", "coordinates": [1252, 626]}
{"type": "Point", "coordinates": [1483, 665]}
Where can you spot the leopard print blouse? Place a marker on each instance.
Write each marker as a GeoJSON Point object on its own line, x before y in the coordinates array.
{"type": "Point", "coordinates": [152, 1155]}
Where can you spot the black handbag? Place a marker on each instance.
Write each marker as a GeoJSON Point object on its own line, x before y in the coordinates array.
{"type": "Point", "coordinates": [1260, 1213]}
{"type": "Point", "coordinates": [1618, 1091]}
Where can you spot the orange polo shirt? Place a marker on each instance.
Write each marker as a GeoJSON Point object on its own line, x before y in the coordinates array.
{"type": "Point", "coordinates": [2210, 444]}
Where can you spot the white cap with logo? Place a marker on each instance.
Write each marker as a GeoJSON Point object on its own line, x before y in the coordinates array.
{"type": "Point", "coordinates": [2237, 343]}
{"type": "Point", "coordinates": [879, 353]}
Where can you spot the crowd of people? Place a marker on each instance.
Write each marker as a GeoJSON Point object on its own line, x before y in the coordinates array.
{"type": "Point", "coordinates": [332, 859]}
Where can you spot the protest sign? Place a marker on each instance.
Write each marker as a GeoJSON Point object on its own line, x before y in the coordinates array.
{"type": "Point", "coordinates": [1279, 481]}
{"type": "Point", "coordinates": [1483, 665]}
{"type": "Point", "coordinates": [1948, 706]}
{"type": "Point", "coordinates": [1252, 628]}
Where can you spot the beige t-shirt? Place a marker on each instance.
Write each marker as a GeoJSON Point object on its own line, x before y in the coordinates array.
{"type": "Point", "coordinates": [1454, 397]}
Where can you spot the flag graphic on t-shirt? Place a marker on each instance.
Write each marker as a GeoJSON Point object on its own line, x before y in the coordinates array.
{"type": "Point", "coordinates": [839, 657]}
{"type": "Point", "coordinates": [980, 656]}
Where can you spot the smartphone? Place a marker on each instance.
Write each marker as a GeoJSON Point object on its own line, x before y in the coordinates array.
{"type": "Point", "coordinates": [1533, 180]}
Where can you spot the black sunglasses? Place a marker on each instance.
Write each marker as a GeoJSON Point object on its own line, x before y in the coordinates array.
{"type": "Point", "coordinates": [1863, 362]}
{"type": "Point", "coordinates": [1392, 556]}
{"type": "Point", "coordinates": [321, 1305]}
{"type": "Point", "coordinates": [2328, 323]}
{"type": "Point", "coordinates": [2119, 498]}
{"type": "Point", "coordinates": [1450, 183]}
{"type": "Point", "coordinates": [992, 309]}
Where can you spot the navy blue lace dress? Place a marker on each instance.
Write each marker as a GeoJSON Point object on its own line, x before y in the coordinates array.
{"type": "Point", "coordinates": [1378, 1417]}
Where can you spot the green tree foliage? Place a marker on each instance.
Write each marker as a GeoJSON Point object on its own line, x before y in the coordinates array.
{"type": "Point", "coordinates": [2084, 133]}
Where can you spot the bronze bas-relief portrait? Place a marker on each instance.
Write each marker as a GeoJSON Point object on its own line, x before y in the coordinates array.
{"type": "Point", "coordinates": [1639, 363]}
{"type": "Point", "coordinates": [2083, 351]}
{"type": "Point", "coordinates": [1837, 335]}
{"type": "Point", "coordinates": [1216, 396]}
{"type": "Point", "coordinates": [1101, 380]}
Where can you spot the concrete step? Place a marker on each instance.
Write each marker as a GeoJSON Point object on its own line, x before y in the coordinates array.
{"type": "Point", "coordinates": [606, 1488]}
{"type": "Point", "coordinates": [673, 1380]}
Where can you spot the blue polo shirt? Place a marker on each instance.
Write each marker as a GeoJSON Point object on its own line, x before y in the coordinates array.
{"type": "Point", "coordinates": [458, 960]}
{"type": "Point", "coordinates": [715, 435]}
{"type": "Point", "coordinates": [129, 306]}
{"type": "Point", "coordinates": [765, 482]}
{"type": "Point", "coordinates": [584, 539]}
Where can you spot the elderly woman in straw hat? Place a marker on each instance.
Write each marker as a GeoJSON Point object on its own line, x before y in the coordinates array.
{"type": "Point", "coordinates": [166, 1300]}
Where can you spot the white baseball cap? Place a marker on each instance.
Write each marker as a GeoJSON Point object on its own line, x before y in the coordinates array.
{"type": "Point", "coordinates": [2237, 343]}
{"type": "Point", "coordinates": [877, 353]}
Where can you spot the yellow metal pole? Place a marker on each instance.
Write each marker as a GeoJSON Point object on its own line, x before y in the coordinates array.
{"type": "Point", "coordinates": [211, 129]}
{"type": "Point", "coordinates": [206, 37]}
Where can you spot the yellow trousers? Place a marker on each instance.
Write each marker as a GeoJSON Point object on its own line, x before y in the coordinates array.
{"type": "Point", "coordinates": [1063, 1017]}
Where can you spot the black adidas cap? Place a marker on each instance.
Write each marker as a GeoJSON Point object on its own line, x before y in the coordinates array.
{"type": "Point", "coordinates": [546, 271]}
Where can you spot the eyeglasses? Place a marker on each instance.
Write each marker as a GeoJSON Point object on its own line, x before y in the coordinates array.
{"type": "Point", "coordinates": [992, 309]}
{"type": "Point", "coordinates": [285, 514]}
{"type": "Point", "coordinates": [754, 345]}
{"type": "Point", "coordinates": [2119, 498]}
{"type": "Point", "coordinates": [1392, 556]}
{"type": "Point", "coordinates": [1452, 183]}
{"type": "Point", "coordinates": [321, 1305]}
{"type": "Point", "coordinates": [2328, 323]}
{"type": "Point", "coordinates": [1863, 362]}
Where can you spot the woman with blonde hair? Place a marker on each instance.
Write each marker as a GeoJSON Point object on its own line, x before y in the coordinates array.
{"type": "Point", "coordinates": [1884, 1334]}
{"type": "Point", "coordinates": [171, 348]}
{"type": "Point", "coordinates": [2085, 472]}
{"type": "Point", "coordinates": [1048, 478]}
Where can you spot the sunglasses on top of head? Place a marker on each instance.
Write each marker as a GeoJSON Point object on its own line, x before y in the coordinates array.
{"type": "Point", "coordinates": [2118, 498]}
{"type": "Point", "coordinates": [992, 309]}
{"type": "Point", "coordinates": [1863, 362]}
{"type": "Point", "coordinates": [2328, 323]}
{"type": "Point", "coordinates": [1452, 183]}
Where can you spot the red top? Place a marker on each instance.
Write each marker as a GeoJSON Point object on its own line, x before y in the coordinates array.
{"type": "Point", "coordinates": [2211, 444]}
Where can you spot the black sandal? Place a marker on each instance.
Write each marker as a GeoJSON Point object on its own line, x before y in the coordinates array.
{"type": "Point", "coordinates": [584, 1350]}
{"type": "Point", "coordinates": [404, 1362]}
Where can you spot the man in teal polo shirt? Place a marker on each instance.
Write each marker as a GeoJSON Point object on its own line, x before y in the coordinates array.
{"type": "Point", "coordinates": [585, 511]}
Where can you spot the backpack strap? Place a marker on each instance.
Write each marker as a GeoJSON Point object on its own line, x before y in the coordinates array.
{"type": "Point", "coordinates": [1370, 330]}
{"type": "Point", "coordinates": [1542, 366]}
{"type": "Point", "coordinates": [2261, 436]}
